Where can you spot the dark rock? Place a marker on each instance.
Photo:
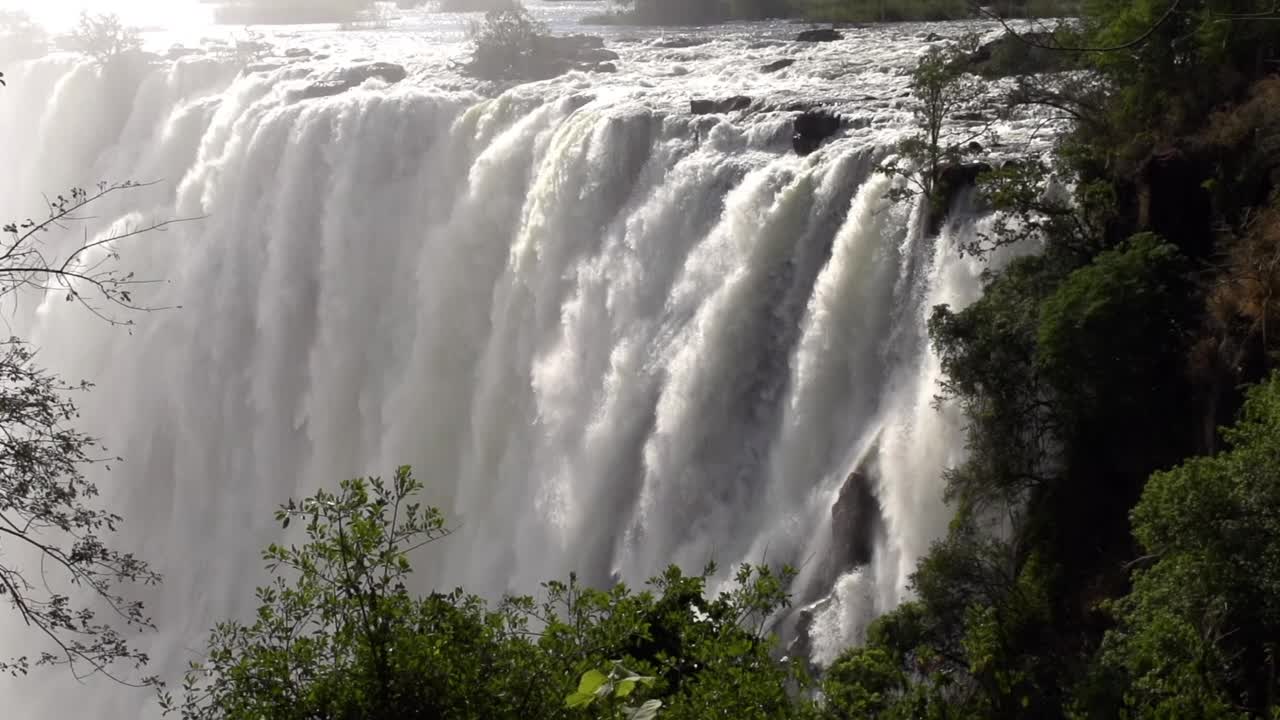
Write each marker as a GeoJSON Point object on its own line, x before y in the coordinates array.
{"type": "Point", "coordinates": [354, 77]}
{"type": "Point", "coordinates": [567, 45]}
{"type": "Point", "coordinates": [820, 35]}
{"type": "Point", "coordinates": [811, 128]}
{"type": "Point", "coordinates": [389, 72]}
{"type": "Point", "coordinates": [777, 65]}
{"type": "Point", "coordinates": [546, 57]}
{"type": "Point", "coordinates": [713, 107]}
{"type": "Point", "coordinates": [933, 37]}
{"type": "Point", "coordinates": [974, 147]}
{"type": "Point", "coordinates": [951, 181]}
{"type": "Point", "coordinates": [297, 53]}
{"type": "Point", "coordinates": [325, 88]}
{"type": "Point", "coordinates": [1025, 54]}
{"type": "Point", "coordinates": [596, 55]}
{"type": "Point", "coordinates": [855, 520]}
{"type": "Point", "coordinates": [801, 637]}
{"type": "Point", "coordinates": [606, 68]}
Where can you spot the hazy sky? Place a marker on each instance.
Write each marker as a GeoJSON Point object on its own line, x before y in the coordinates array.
{"type": "Point", "coordinates": [60, 13]}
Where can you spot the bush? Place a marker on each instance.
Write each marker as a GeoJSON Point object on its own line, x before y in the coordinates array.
{"type": "Point", "coordinates": [339, 635]}
{"type": "Point", "coordinates": [506, 45]}
{"type": "Point", "coordinates": [103, 37]}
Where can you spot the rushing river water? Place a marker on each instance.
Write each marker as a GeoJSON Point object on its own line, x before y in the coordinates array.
{"type": "Point", "coordinates": [609, 334]}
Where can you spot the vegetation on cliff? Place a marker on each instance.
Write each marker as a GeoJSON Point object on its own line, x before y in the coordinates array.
{"type": "Point", "coordinates": [1082, 576]}
{"type": "Point", "coordinates": [1116, 546]}
{"type": "Point", "coordinates": [1114, 554]}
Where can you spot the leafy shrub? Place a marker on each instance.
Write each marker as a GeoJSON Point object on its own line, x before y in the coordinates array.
{"type": "Point", "coordinates": [103, 37]}
{"type": "Point", "coordinates": [507, 44]}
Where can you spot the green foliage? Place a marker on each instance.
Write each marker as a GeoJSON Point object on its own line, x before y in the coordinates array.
{"type": "Point", "coordinates": [615, 690]}
{"type": "Point", "coordinates": [1197, 636]}
{"type": "Point", "coordinates": [59, 572]}
{"type": "Point", "coordinates": [339, 635]}
{"type": "Point", "coordinates": [989, 361]}
{"type": "Point", "coordinates": [1105, 319]}
{"type": "Point", "coordinates": [940, 87]}
{"type": "Point", "coordinates": [47, 510]}
{"type": "Point", "coordinates": [507, 44]}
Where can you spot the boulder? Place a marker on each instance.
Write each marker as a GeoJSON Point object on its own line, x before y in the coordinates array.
{"type": "Point", "coordinates": [855, 520]}
{"type": "Point", "coordinates": [388, 72]}
{"type": "Point", "coordinates": [594, 55]}
{"type": "Point", "coordinates": [820, 35]}
{"type": "Point", "coordinates": [354, 77]}
{"type": "Point", "coordinates": [777, 65]}
{"type": "Point", "coordinates": [714, 107]}
{"type": "Point", "coordinates": [606, 68]}
{"type": "Point", "coordinates": [951, 181]}
{"type": "Point", "coordinates": [933, 37]}
{"type": "Point", "coordinates": [546, 57]}
{"type": "Point", "coordinates": [811, 128]}
{"type": "Point", "coordinates": [297, 53]}
{"type": "Point", "coordinates": [569, 45]}
{"type": "Point", "coordinates": [1023, 54]}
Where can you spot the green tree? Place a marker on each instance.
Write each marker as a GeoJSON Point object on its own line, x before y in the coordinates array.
{"type": "Point", "coordinates": [58, 570]}
{"type": "Point", "coordinates": [940, 87]}
{"type": "Point", "coordinates": [1197, 635]}
{"type": "Point", "coordinates": [507, 44]}
{"type": "Point", "coordinates": [338, 634]}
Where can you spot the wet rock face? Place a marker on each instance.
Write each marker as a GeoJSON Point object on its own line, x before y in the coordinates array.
{"type": "Point", "coordinates": [813, 127]}
{"type": "Point", "coordinates": [951, 181]}
{"type": "Point", "coordinates": [855, 520]}
{"type": "Point", "coordinates": [725, 105]}
{"type": "Point", "coordinates": [820, 35]}
{"type": "Point", "coordinates": [777, 65]}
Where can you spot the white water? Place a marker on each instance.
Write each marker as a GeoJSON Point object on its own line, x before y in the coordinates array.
{"type": "Point", "coordinates": [609, 335]}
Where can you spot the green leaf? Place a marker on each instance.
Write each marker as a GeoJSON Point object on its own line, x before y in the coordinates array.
{"type": "Point", "coordinates": [647, 711]}
{"type": "Point", "coordinates": [592, 680]}
{"type": "Point", "coordinates": [579, 699]}
{"type": "Point", "coordinates": [626, 687]}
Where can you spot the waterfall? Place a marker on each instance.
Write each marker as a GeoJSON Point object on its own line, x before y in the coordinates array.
{"type": "Point", "coordinates": [607, 334]}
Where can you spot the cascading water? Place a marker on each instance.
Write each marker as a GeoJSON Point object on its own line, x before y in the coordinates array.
{"type": "Point", "coordinates": [608, 334]}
